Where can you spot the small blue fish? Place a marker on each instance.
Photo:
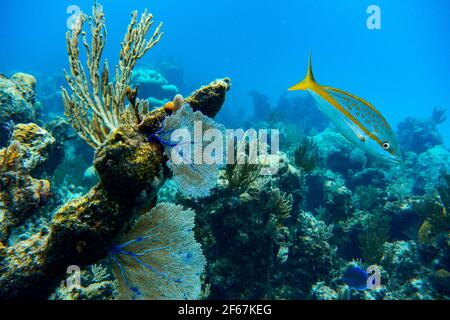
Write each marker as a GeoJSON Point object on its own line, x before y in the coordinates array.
{"type": "Point", "coordinates": [355, 118]}
{"type": "Point", "coordinates": [356, 278]}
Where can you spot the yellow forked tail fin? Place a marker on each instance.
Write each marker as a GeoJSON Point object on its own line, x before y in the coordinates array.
{"type": "Point", "coordinates": [309, 80]}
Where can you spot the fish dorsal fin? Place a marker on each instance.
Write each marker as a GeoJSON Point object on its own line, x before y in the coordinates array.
{"type": "Point", "coordinates": [309, 80]}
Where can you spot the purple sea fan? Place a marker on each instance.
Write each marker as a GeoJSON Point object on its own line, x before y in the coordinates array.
{"type": "Point", "coordinates": [159, 257]}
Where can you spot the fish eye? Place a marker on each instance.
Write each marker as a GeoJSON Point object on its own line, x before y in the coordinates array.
{"type": "Point", "coordinates": [386, 145]}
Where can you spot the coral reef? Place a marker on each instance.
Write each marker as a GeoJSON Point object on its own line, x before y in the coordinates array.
{"type": "Point", "coordinates": [430, 165]}
{"type": "Point", "coordinates": [333, 149]}
{"type": "Point", "coordinates": [172, 71]}
{"type": "Point", "coordinates": [81, 232]}
{"type": "Point", "coordinates": [131, 168]}
{"type": "Point", "coordinates": [239, 176]}
{"type": "Point", "coordinates": [20, 194]}
{"type": "Point", "coordinates": [305, 156]}
{"type": "Point", "coordinates": [261, 106]}
{"type": "Point", "coordinates": [252, 232]}
{"type": "Point", "coordinates": [209, 99]}
{"type": "Point", "coordinates": [17, 102]}
{"type": "Point", "coordinates": [301, 109]}
{"type": "Point", "coordinates": [420, 135]}
{"type": "Point", "coordinates": [153, 85]}
{"type": "Point", "coordinates": [353, 212]}
{"type": "Point", "coordinates": [103, 190]}
{"type": "Point", "coordinates": [35, 143]}
{"type": "Point", "coordinates": [96, 283]}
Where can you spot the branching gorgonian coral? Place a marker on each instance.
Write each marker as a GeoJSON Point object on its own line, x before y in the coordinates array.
{"type": "Point", "coordinates": [242, 173]}
{"type": "Point", "coordinates": [96, 105]}
{"type": "Point", "coordinates": [306, 155]}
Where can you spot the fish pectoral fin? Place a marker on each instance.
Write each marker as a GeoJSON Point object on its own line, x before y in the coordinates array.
{"type": "Point", "coordinates": [362, 137]}
{"type": "Point", "coordinates": [359, 135]}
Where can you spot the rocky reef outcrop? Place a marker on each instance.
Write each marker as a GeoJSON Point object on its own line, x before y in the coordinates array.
{"type": "Point", "coordinates": [21, 195]}
{"type": "Point", "coordinates": [419, 135]}
{"type": "Point", "coordinates": [154, 86]}
{"type": "Point", "coordinates": [81, 232]}
{"type": "Point", "coordinates": [17, 102]}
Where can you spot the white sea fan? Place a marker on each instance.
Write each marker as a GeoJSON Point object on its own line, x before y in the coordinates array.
{"type": "Point", "coordinates": [192, 179]}
{"type": "Point", "coordinates": [159, 257]}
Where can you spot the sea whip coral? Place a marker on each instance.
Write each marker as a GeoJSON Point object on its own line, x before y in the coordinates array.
{"type": "Point", "coordinates": [96, 105]}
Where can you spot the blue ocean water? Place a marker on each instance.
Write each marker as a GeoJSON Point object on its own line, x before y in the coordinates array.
{"type": "Point", "coordinates": [402, 69]}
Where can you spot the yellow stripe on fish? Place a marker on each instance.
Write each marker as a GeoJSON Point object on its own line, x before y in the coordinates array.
{"type": "Point", "coordinates": [355, 118]}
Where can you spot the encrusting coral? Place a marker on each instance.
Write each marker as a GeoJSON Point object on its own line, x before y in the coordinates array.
{"type": "Point", "coordinates": [20, 194]}
{"type": "Point", "coordinates": [17, 102]}
{"type": "Point", "coordinates": [35, 143]}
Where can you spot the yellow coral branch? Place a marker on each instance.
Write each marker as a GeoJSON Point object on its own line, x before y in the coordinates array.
{"type": "Point", "coordinates": [95, 105]}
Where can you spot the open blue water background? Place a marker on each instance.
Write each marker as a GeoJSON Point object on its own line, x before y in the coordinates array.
{"type": "Point", "coordinates": [403, 69]}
